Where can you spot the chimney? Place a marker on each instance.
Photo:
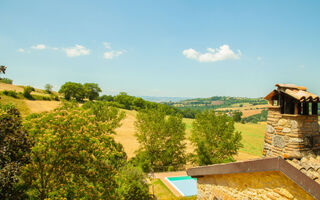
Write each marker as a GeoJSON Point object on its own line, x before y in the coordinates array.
{"type": "Point", "coordinates": [292, 124]}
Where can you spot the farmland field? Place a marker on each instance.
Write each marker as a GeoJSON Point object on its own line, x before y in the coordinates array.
{"type": "Point", "coordinates": [252, 137]}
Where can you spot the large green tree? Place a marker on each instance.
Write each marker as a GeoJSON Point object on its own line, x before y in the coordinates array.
{"type": "Point", "coordinates": [73, 90]}
{"type": "Point", "coordinates": [74, 156]}
{"type": "Point", "coordinates": [92, 90]}
{"type": "Point", "coordinates": [14, 147]}
{"type": "Point", "coordinates": [215, 138]}
{"type": "Point", "coordinates": [162, 140]}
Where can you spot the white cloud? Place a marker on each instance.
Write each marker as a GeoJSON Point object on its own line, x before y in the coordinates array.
{"type": "Point", "coordinates": [213, 55]}
{"type": "Point", "coordinates": [112, 54]}
{"type": "Point", "coordinates": [39, 47]}
{"type": "Point", "coordinates": [107, 45]}
{"type": "Point", "coordinates": [77, 50]}
{"type": "Point", "coordinates": [21, 50]}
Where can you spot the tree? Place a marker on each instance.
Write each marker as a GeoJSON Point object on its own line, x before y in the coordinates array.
{"type": "Point", "coordinates": [92, 90]}
{"type": "Point", "coordinates": [74, 157]}
{"type": "Point", "coordinates": [132, 184]}
{"type": "Point", "coordinates": [215, 138]}
{"type": "Point", "coordinates": [48, 88]}
{"type": "Point", "coordinates": [73, 90]}
{"type": "Point", "coordinates": [14, 148]}
{"type": "Point", "coordinates": [2, 69]}
{"type": "Point", "coordinates": [161, 139]}
{"type": "Point", "coordinates": [27, 92]}
{"type": "Point", "coordinates": [237, 116]}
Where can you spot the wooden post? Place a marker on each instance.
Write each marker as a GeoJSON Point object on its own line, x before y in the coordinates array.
{"type": "Point", "coordinates": [314, 108]}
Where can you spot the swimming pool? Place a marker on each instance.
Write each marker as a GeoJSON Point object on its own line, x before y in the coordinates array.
{"type": "Point", "coordinates": [185, 185]}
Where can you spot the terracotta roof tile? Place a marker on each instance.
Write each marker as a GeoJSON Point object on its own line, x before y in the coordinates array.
{"type": "Point", "coordinates": [309, 165]}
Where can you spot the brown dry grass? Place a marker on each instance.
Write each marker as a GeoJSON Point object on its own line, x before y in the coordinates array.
{"type": "Point", "coordinates": [4, 86]}
{"type": "Point", "coordinates": [41, 106]}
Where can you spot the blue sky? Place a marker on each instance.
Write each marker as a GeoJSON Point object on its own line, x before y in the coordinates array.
{"type": "Point", "coordinates": [163, 48]}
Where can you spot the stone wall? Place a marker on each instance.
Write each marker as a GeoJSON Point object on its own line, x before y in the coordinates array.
{"type": "Point", "coordinates": [256, 185]}
{"type": "Point", "coordinates": [286, 134]}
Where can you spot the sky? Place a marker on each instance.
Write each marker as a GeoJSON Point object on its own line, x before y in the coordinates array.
{"type": "Point", "coordinates": [173, 48]}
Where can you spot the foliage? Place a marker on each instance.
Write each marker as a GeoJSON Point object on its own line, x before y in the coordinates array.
{"type": "Point", "coordinates": [14, 146]}
{"type": "Point", "coordinates": [11, 93]}
{"type": "Point", "coordinates": [161, 140]}
{"type": "Point", "coordinates": [3, 69]}
{"type": "Point", "coordinates": [73, 157]}
{"type": "Point", "coordinates": [27, 92]}
{"type": "Point", "coordinates": [92, 90]}
{"type": "Point", "coordinates": [256, 118]}
{"type": "Point", "coordinates": [237, 116]}
{"type": "Point", "coordinates": [110, 116]}
{"type": "Point", "coordinates": [215, 138]}
{"type": "Point", "coordinates": [48, 88]}
{"type": "Point", "coordinates": [132, 184]}
{"type": "Point", "coordinates": [73, 90]}
{"type": "Point", "coordinates": [6, 80]}
{"type": "Point", "coordinates": [106, 98]}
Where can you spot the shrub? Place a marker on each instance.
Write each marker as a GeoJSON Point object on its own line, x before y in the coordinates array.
{"type": "Point", "coordinates": [6, 80]}
{"type": "Point", "coordinates": [11, 93]}
{"type": "Point", "coordinates": [27, 92]}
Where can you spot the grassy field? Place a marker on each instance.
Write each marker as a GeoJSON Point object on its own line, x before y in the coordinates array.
{"type": "Point", "coordinates": [163, 193]}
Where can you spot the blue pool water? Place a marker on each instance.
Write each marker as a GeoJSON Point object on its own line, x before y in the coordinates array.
{"type": "Point", "coordinates": [186, 185]}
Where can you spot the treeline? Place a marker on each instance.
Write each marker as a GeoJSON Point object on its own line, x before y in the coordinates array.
{"type": "Point", "coordinates": [90, 91]}
{"type": "Point", "coordinates": [125, 101]}
{"type": "Point", "coordinates": [216, 102]}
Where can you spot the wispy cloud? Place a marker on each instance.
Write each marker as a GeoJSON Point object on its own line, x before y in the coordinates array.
{"type": "Point", "coordinates": [259, 58]}
{"type": "Point", "coordinates": [107, 45]}
{"type": "Point", "coordinates": [77, 50]}
{"type": "Point", "coordinates": [112, 54]}
{"type": "Point", "coordinates": [39, 47]}
{"type": "Point", "coordinates": [212, 55]}
{"type": "Point", "coordinates": [21, 50]}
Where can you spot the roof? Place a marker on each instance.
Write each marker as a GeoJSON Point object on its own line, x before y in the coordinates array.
{"type": "Point", "coordinates": [267, 164]}
{"type": "Point", "coordinates": [309, 165]}
{"type": "Point", "coordinates": [299, 93]}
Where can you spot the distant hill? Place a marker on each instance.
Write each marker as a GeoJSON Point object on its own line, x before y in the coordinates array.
{"type": "Point", "coordinates": [164, 99]}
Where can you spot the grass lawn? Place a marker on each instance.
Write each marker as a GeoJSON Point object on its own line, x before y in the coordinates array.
{"type": "Point", "coordinates": [252, 137]}
{"type": "Point", "coordinates": [163, 193]}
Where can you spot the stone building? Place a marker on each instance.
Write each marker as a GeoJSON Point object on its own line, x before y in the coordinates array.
{"type": "Point", "coordinates": [290, 167]}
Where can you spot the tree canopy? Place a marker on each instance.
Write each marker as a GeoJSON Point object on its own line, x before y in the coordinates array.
{"type": "Point", "coordinates": [74, 157]}
{"type": "Point", "coordinates": [161, 139]}
{"type": "Point", "coordinates": [215, 138]}
{"type": "Point", "coordinates": [92, 90]}
{"type": "Point", "coordinates": [14, 148]}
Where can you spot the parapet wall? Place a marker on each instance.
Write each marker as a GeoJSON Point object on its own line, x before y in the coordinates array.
{"type": "Point", "coordinates": [286, 134]}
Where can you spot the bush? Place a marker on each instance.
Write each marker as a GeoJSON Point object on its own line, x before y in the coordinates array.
{"type": "Point", "coordinates": [27, 92]}
{"type": "Point", "coordinates": [6, 80]}
{"type": "Point", "coordinates": [11, 93]}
